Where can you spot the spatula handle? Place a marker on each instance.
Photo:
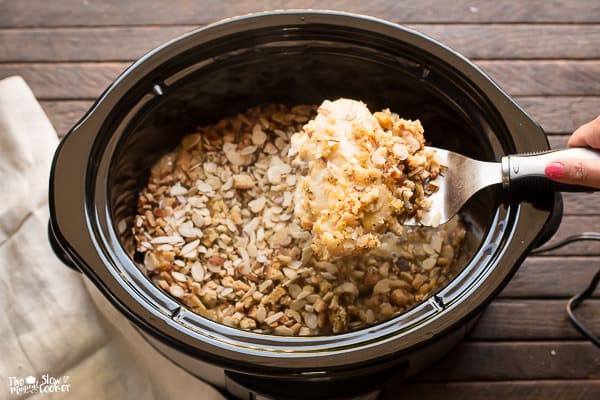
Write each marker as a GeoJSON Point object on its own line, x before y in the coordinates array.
{"type": "Point", "coordinates": [526, 171]}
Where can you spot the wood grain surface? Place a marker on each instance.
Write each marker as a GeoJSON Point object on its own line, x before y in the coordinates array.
{"type": "Point", "coordinates": [516, 319]}
{"type": "Point", "coordinates": [499, 41]}
{"type": "Point", "coordinates": [552, 277]}
{"type": "Point", "coordinates": [522, 390]}
{"type": "Point", "coordinates": [523, 360]}
{"type": "Point", "coordinates": [86, 80]}
{"type": "Point", "coordinates": [35, 13]}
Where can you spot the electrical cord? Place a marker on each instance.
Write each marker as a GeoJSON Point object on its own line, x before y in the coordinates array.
{"type": "Point", "coordinates": [585, 236]}
{"type": "Point", "coordinates": [579, 298]}
{"type": "Point", "coordinates": [576, 301]}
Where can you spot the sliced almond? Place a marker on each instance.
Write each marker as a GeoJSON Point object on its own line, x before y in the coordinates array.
{"type": "Point", "coordinates": [243, 182]}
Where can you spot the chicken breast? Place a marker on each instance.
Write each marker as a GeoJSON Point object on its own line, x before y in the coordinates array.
{"type": "Point", "coordinates": [362, 174]}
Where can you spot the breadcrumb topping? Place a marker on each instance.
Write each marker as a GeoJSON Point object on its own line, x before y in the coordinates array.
{"type": "Point", "coordinates": [363, 174]}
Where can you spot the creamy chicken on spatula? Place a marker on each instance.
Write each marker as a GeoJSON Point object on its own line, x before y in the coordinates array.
{"type": "Point", "coordinates": [363, 175]}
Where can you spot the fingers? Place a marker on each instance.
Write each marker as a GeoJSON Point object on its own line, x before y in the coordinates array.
{"type": "Point", "coordinates": [583, 172]}
{"type": "Point", "coordinates": [575, 172]}
{"type": "Point", "coordinates": [587, 135]}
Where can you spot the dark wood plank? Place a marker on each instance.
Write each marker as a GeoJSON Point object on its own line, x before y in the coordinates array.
{"type": "Point", "coordinates": [534, 78]}
{"type": "Point", "coordinates": [129, 43]}
{"type": "Point", "coordinates": [514, 390]}
{"type": "Point", "coordinates": [561, 114]}
{"type": "Point", "coordinates": [83, 44]}
{"type": "Point", "coordinates": [66, 81]}
{"type": "Point", "coordinates": [64, 114]}
{"type": "Point", "coordinates": [523, 41]}
{"type": "Point", "coordinates": [581, 204]}
{"type": "Point", "coordinates": [116, 12]}
{"type": "Point", "coordinates": [575, 224]}
{"type": "Point", "coordinates": [533, 319]}
{"type": "Point", "coordinates": [517, 361]}
{"type": "Point", "coordinates": [520, 78]}
{"type": "Point", "coordinates": [552, 277]}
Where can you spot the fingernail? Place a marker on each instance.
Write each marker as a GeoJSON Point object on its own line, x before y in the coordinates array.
{"type": "Point", "coordinates": [554, 170]}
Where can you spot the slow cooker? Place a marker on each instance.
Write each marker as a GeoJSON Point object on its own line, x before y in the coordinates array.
{"type": "Point", "coordinates": [292, 57]}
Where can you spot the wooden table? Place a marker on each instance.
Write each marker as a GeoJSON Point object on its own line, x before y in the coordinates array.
{"type": "Point", "coordinates": [545, 54]}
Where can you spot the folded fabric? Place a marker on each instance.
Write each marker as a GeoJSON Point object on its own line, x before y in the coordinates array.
{"type": "Point", "coordinates": [53, 338]}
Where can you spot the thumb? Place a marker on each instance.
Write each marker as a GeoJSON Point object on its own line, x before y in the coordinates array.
{"type": "Point", "coordinates": [575, 172]}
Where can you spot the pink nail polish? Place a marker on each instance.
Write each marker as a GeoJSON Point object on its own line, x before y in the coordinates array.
{"type": "Point", "coordinates": [554, 170]}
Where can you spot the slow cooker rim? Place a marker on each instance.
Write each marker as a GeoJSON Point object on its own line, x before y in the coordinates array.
{"type": "Point", "coordinates": [105, 97]}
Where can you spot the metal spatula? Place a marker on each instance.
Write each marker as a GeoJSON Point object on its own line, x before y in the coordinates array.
{"type": "Point", "coordinates": [464, 177]}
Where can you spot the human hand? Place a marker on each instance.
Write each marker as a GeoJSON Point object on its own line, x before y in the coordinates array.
{"type": "Point", "coordinates": [576, 171]}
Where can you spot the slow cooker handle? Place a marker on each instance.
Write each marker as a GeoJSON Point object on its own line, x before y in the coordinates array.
{"type": "Point", "coordinates": [60, 252]}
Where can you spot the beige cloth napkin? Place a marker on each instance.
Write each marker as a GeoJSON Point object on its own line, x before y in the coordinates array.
{"type": "Point", "coordinates": [50, 331]}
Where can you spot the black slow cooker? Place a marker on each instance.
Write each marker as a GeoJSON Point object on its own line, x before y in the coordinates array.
{"type": "Point", "coordinates": [292, 57]}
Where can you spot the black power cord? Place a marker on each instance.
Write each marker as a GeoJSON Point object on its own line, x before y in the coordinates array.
{"type": "Point", "coordinates": [585, 236]}
{"type": "Point", "coordinates": [576, 301]}
{"type": "Point", "coordinates": [579, 298]}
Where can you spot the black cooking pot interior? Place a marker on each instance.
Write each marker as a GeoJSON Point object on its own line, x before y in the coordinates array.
{"type": "Point", "coordinates": [291, 58]}
{"type": "Point", "coordinates": [310, 65]}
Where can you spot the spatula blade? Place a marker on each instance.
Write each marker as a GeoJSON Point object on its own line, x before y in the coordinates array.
{"type": "Point", "coordinates": [462, 178]}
